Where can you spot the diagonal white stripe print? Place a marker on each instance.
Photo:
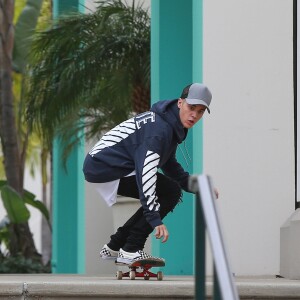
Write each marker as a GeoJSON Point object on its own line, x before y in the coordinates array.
{"type": "Point", "coordinates": [151, 156]}
{"type": "Point", "coordinates": [149, 178]}
{"type": "Point", "coordinates": [148, 181]}
{"type": "Point", "coordinates": [114, 136]}
{"type": "Point", "coordinates": [150, 166]}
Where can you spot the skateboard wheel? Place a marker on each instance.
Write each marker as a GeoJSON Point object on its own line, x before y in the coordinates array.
{"type": "Point", "coordinates": [132, 275]}
{"type": "Point", "coordinates": [159, 275]}
{"type": "Point", "coordinates": [119, 275]}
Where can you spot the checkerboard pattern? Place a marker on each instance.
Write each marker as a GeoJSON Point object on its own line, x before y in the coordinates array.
{"type": "Point", "coordinates": [107, 253]}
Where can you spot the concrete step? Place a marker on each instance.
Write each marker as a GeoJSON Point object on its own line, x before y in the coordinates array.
{"type": "Point", "coordinates": [75, 287]}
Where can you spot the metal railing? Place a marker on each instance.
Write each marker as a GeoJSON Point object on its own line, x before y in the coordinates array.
{"type": "Point", "coordinates": [207, 219]}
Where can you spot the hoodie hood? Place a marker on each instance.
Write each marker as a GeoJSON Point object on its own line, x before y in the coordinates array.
{"type": "Point", "coordinates": [169, 111]}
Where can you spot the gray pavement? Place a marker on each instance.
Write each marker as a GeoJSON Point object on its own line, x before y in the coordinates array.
{"type": "Point", "coordinates": [62, 287]}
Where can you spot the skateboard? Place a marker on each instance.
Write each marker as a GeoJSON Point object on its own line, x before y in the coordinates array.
{"type": "Point", "coordinates": [145, 265]}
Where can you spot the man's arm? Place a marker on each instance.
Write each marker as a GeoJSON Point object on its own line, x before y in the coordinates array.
{"type": "Point", "coordinates": [173, 169]}
{"type": "Point", "coordinates": [146, 167]}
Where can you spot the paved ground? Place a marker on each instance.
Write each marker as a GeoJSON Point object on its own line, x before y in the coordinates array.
{"type": "Point", "coordinates": [172, 287]}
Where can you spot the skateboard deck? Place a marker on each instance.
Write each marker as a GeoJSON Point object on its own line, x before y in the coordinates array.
{"type": "Point", "coordinates": [145, 265]}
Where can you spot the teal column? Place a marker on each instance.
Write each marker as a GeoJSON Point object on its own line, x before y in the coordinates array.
{"type": "Point", "coordinates": [176, 61]}
{"type": "Point", "coordinates": [68, 246]}
{"type": "Point", "coordinates": [61, 7]}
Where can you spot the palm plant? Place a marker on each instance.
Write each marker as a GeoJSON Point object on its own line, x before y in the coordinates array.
{"type": "Point", "coordinates": [92, 67]}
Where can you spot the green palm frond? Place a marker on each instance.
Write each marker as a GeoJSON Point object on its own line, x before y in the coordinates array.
{"type": "Point", "coordinates": [89, 66]}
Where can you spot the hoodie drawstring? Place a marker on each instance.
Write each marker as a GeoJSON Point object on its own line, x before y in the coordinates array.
{"type": "Point", "coordinates": [187, 153]}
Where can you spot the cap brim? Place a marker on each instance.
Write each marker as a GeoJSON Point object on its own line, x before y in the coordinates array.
{"type": "Point", "coordinates": [197, 102]}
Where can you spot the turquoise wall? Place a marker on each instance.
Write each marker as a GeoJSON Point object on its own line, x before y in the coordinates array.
{"type": "Point", "coordinates": [176, 61]}
{"type": "Point", "coordinates": [61, 7]}
{"type": "Point", "coordinates": [68, 247]}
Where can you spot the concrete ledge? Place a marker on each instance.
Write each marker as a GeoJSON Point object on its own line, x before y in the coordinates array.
{"type": "Point", "coordinates": [63, 287]}
{"type": "Point", "coordinates": [268, 288]}
{"type": "Point", "coordinates": [88, 287]}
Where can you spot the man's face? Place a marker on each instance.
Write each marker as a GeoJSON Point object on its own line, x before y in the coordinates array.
{"type": "Point", "coordinates": [190, 114]}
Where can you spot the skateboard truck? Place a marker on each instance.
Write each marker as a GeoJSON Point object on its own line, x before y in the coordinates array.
{"type": "Point", "coordinates": [133, 273]}
{"type": "Point", "coordinates": [145, 266]}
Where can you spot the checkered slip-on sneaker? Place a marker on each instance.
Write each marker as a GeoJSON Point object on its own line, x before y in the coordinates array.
{"type": "Point", "coordinates": [129, 257]}
{"type": "Point", "coordinates": [107, 253]}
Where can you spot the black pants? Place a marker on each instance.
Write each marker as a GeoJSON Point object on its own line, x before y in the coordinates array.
{"type": "Point", "coordinates": [132, 236]}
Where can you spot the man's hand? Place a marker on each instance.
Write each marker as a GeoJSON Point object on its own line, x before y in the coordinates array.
{"type": "Point", "coordinates": [161, 232]}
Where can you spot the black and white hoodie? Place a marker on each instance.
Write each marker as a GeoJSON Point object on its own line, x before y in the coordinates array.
{"type": "Point", "coordinates": [144, 144]}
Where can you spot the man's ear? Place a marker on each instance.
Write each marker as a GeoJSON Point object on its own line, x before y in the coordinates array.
{"type": "Point", "coordinates": [179, 102]}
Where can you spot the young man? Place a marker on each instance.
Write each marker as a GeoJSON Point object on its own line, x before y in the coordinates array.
{"type": "Point", "coordinates": [127, 159]}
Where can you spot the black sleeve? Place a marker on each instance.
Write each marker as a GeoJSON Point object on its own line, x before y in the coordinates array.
{"type": "Point", "coordinates": [173, 169]}
{"type": "Point", "coordinates": [146, 167]}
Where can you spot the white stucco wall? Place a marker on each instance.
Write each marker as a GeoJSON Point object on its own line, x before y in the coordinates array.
{"type": "Point", "coordinates": [99, 227]}
{"type": "Point", "coordinates": [248, 138]}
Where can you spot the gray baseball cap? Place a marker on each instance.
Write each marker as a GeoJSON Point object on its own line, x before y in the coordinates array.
{"type": "Point", "coordinates": [197, 93]}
